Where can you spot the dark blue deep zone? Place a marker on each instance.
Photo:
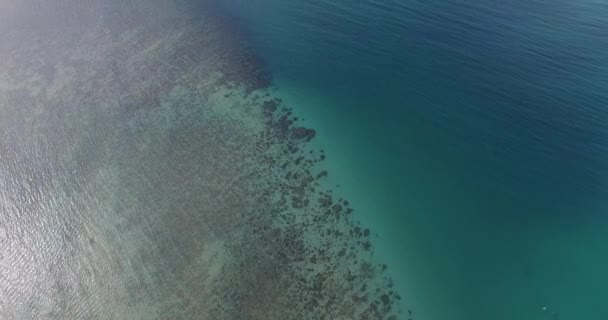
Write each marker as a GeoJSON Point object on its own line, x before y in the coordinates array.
{"type": "Point", "coordinates": [513, 93]}
{"type": "Point", "coordinates": [505, 105]}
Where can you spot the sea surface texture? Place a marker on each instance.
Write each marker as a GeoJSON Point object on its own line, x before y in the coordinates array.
{"type": "Point", "coordinates": [148, 172]}
{"type": "Point", "coordinates": [312, 159]}
{"type": "Point", "coordinates": [471, 136]}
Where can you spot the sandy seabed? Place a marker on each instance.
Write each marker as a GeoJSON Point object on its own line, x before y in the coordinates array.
{"type": "Point", "coordinates": [148, 171]}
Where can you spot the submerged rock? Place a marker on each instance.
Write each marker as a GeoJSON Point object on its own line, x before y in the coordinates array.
{"type": "Point", "coordinates": [303, 133]}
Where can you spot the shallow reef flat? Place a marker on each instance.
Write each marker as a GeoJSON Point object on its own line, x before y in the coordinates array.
{"type": "Point", "coordinates": [148, 171]}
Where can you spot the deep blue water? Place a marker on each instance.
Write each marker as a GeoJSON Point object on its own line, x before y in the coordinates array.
{"type": "Point", "coordinates": [477, 130]}
{"type": "Point", "coordinates": [139, 175]}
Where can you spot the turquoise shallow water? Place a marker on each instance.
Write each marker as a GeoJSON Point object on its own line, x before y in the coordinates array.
{"type": "Point", "coordinates": [149, 169]}
{"type": "Point", "coordinates": [471, 135]}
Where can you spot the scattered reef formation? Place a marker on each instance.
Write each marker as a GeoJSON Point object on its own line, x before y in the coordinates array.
{"type": "Point", "coordinates": [149, 171]}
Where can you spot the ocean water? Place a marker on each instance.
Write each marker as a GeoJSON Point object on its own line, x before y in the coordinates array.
{"type": "Point", "coordinates": [225, 159]}
{"type": "Point", "coordinates": [471, 136]}
{"type": "Point", "coordinates": [149, 170]}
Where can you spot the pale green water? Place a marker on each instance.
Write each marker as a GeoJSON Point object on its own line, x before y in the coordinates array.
{"type": "Point", "coordinates": [451, 266]}
{"type": "Point", "coordinates": [147, 171]}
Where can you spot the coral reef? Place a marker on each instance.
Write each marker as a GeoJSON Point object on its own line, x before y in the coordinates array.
{"type": "Point", "coordinates": [151, 173]}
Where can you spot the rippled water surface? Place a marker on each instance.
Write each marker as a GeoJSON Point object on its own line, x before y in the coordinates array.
{"type": "Point", "coordinates": [149, 170]}
{"type": "Point", "coordinates": [308, 159]}
{"type": "Point", "coordinates": [472, 135]}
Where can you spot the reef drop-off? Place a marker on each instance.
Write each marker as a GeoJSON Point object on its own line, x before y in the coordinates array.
{"type": "Point", "coordinates": [148, 171]}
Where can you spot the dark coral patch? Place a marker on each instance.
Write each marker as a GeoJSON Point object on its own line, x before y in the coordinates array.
{"type": "Point", "coordinates": [303, 133]}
